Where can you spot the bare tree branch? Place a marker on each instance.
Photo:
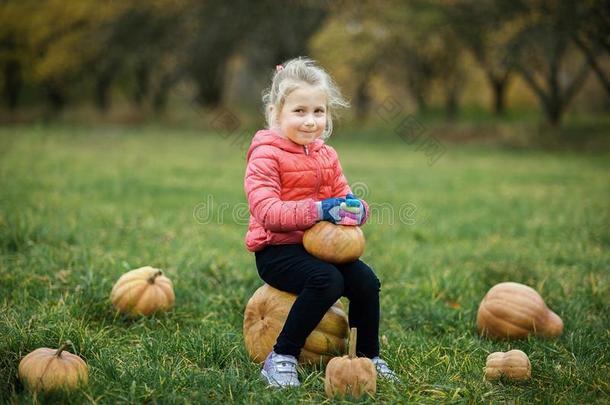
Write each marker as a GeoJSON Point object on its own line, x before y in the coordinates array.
{"type": "Point", "coordinates": [529, 78]}
{"type": "Point", "coordinates": [577, 83]}
{"type": "Point", "coordinates": [592, 60]}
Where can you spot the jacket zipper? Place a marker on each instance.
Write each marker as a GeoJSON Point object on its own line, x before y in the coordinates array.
{"type": "Point", "coordinates": [319, 175]}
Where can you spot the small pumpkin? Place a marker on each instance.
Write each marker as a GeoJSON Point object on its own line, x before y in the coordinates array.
{"type": "Point", "coordinates": [143, 291]}
{"type": "Point", "coordinates": [513, 365]}
{"type": "Point", "coordinates": [334, 243]}
{"type": "Point", "coordinates": [47, 369]}
{"type": "Point", "coordinates": [264, 318]}
{"type": "Point", "coordinates": [350, 375]}
{"type": "Point", "coordinates": [513, 310]}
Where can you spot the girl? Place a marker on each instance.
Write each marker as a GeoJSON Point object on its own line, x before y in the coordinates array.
{"type": "Point", "coordinates": [293, 179]}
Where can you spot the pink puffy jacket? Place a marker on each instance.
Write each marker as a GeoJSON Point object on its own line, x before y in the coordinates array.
{"type": "Point", "coordinates": [282, 183]}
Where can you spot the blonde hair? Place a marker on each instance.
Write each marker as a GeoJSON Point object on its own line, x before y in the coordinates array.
{"type": "Point", "coordinates": [294, 73]}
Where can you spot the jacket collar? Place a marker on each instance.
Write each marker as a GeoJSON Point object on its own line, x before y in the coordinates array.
{"type": "Point", "coordinates": [271, 137]}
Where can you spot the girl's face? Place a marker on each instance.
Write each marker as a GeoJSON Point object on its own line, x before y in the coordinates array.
{"type": "Point", "coordinates": [303, 116]}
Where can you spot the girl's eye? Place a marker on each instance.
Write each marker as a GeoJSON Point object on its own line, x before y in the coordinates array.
{"type": "Point", "coordinates": [300, 110]}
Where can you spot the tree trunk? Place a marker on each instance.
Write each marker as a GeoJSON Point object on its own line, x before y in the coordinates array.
{"type": "Point", "coordinates": [13, 83]}
{"type": "Point", "coordinates": [422, 103]}
{"type": "Point", "coordinates": [55, 96]}
{"type": "Point", "coordinates": [103, 84]}
{"type": "Point", "coordinates": [498, 86]}
{"type": "Point", "coordinates": [418, 88]}
{"type": "Point", "coordinates": [499, 102]}
{"type": "Point", "coordinates": [363, 95]}
{"type": "Point", "coordinates": [451, 105]}
{"type": "Point", "coordinates": [362, 100]}
{"type": "Point", "coordinates": [554, 112]}
{"type": "Point", "coordinates": [142, 83]}
{"type": "Point", "coordinates": [161, 94]}
{"type": "Point", "coordinates": [210, 87]}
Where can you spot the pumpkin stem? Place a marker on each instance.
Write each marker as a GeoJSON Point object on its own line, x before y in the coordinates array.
{"type": "Point", "coordinates": [352, 343]}
{"type": "Point", "coordinates": [63, 347]}
{"type": "Point", "coordinates": [152, 278]}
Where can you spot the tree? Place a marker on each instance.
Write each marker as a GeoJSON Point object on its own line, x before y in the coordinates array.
{"type": "Point", "coordinates": [541, 48]}
{"type": "Point", "coordinates": [110, 52]}
{"type": "Point", "coordinates": [356, 43]}
{"type": "Point", "coordinates": [431, 52]}
{"type": "Point", "coordinates": [141, 45]}
{"type": "Point", "coordinates": [58, 47]}
{"type": "Point", "coordinates": [14, 52]}
{"type": "Point", "coordinates": [277, 31]}
{"type": "Point", "coordinates": [592, 35]}
{"type": "Point", "coordinates": [405, 40]}
{"type": "Point", "coordinates": [215, 29]}
{"type": "Point", "coordinates": [484, 28]}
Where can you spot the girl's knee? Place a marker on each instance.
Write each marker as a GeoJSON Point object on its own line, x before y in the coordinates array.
{"type": "Point", "coordinates": [329, 281]}
{"type": "Point", "coordinates": [364, 282]}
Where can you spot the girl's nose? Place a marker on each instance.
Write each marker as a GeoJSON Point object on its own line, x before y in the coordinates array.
{"type": "Point", "coordinates": [309, 121]}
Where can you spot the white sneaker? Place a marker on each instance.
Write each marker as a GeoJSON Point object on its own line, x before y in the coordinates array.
{"type": "Point", "coordinates": [280, 371]}
{"type": "Point", "coordinates": [383, 370]}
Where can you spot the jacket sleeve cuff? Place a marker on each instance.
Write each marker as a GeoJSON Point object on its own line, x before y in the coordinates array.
{"type": "Point", "coordinates": [366, 212]}
{"type": "Point", "coordinates": [317, 210]}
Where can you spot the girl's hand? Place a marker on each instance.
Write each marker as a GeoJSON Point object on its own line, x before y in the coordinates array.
{"type": "Point", "coordinates": [351, 211]}
{"type": "Point", "coordinates": [352, 200]}
{"type": "Point", "coordinates": [329, 209]}
{"type": "Point", "coordinates": [349, 221]}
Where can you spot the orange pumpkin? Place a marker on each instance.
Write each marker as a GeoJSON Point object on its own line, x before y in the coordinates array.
{"type": "Point", "coordinates": [47, 369]}
{"type": "Point", "coordinates": [264, 318]}
{"type": "Point", "coordinates": [334, 243]}
{"type": "Point", "coordinates": [143, 291]}
{"type": "Point", "coordinates": [514, 365]}
{"type": "Point", "coordinates": [513, 310]}
{"type": "Point", "coordinates": [350, 375]}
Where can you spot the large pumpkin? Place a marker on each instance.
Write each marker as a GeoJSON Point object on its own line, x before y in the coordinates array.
{"type": "Point", "coordinates": [264, 318]}
{"type": "Point", "coordinates": [513, 310]}
{"type": "Point", "coordinates": [350, 375]}
{"type": "Point", "coordinates": [143, 291]}
{"type": "Point", "coordinates": [334, 243]}
{"type": "Point", "coordinates": [513, 365]}
{"type": "Point", "coordinates": [47, 369]}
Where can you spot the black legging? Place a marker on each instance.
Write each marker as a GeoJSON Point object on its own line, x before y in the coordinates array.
{"type": "Point", "coordinates": [319, 285]}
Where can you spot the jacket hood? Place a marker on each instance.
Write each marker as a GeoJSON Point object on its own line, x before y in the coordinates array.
{"type": "Point", "coordinates": [270, 137]}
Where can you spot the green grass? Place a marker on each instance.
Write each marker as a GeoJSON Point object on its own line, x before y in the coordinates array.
{"type": "Point", "coordinates": [78, 207]}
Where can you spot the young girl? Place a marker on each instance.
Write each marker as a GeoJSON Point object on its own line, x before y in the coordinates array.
{"type": "Point", "coordinates": [293, 180]}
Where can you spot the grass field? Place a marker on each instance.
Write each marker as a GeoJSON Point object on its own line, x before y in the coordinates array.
{"type": "Point", "coordinates": [78, 207]}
